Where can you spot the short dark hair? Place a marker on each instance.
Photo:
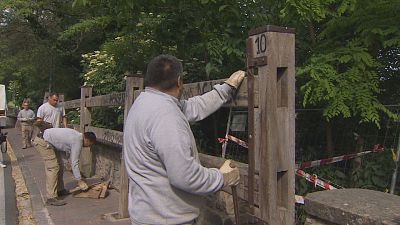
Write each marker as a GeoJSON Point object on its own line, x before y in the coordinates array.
{"type": "Point", "coordinates": [90, 136]}
{"type": "Point", "coordinates": [163, 72]}
{"type": "Point", "coordinates": [53, 94]}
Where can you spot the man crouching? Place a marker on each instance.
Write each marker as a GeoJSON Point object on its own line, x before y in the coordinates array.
{"type": "Point", "coordinates": [54, 141]}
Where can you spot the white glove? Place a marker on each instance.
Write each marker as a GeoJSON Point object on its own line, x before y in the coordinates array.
{"type": "Point", "coordinates": [82, 185]}
{"type": "Point", "coordinates": [236, 79]}
{"type": "Point", "coordinates": [231, 175]}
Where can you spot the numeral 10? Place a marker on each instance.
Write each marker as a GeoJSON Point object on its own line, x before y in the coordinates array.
{"type": "Point", "coordinates": [261, 42]}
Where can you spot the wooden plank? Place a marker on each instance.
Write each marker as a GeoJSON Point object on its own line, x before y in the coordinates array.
{"type": "Point", "coordinates": [199, 88]}
{"type": "Point", "coordinates": [72, 104]}
{"type": "Point", "coordinates": [114, 99]}
{"type": "Point", "coordinates": [106, 135]}
{"type": "Point", "coordinates": [190, 90]}
{"type": "Point", "coordinates": [94, 191]}
{"type": "Point", "coordinates": [104, 187]}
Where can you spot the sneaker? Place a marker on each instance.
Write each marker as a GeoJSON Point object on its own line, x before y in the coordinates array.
{"type": "Point", "coordinates": [55, 202]}
{"type": "Point", "coordinates": [63, 192]}
{"type": "Point", "coordinates": [2, 165]}
{"type": "Point", "coordinates": [24, 147]}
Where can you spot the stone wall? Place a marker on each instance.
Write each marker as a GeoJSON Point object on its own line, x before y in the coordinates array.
{"type": "Point", "coordinates": [107, 163]}
{"type": "Point", "coordinates": [352, 206]}
{"type": "Point", "coordinates": [217, 208]}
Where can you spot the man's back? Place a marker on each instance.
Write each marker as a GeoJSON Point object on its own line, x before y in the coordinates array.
{"type": "Point", "coordinates": [166, 178]}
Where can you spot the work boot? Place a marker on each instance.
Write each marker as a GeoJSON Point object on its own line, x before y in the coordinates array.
{"type": "Point", "coordinates": [55, 202]}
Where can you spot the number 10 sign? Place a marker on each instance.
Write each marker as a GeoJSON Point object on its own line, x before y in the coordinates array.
{"type": "Point", "coordinates": [259, 45]}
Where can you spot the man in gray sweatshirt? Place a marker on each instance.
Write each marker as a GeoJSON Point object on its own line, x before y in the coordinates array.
{"type": "Point", "coordinates": [56, 140]}
{"type": "Point", "coordinates": [26, 117]}
{"type": "Point", "coordinates": [166, 178]}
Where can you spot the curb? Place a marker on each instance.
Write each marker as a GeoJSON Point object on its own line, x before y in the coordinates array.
{"type": "Point", "coordinates": [24, 207]}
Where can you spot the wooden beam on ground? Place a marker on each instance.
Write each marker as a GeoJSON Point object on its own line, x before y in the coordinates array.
{"type": "Point", "coordinates": [104, 187]}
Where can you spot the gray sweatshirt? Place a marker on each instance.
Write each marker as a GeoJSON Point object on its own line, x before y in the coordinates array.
{"type": "Point", "coordinates": [67, 140]}
{"type": "Point", "coordinates": [165, 175]}
{"type": "Point", "coordinates": [26, 115]}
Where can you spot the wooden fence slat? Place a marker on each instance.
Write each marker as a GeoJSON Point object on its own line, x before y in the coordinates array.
{"type": "Point", "coordinates": [199, 88]}
{"type": "Point", "coordinates": [76, 103]}
{"type": "Point", "coordinates": [114, 99]}
{"type": "Point", "coordinates": [190, 90]}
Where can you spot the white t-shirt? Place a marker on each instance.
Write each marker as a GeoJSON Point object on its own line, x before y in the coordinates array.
{"type": "Point", "coordinates": [51, 114]}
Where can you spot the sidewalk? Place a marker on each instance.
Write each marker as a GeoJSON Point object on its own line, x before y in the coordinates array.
{"type": "Point", "coordinates": [77, 211]}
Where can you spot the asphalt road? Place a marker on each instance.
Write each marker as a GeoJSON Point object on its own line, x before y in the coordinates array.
{"type": "Point", "coordinates": [8, 207]}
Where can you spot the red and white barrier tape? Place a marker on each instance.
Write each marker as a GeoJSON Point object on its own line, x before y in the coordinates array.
{"type": "Point", "coordinates": [314, 179]}
{"type": "Point", "coordinates": [321, 162]}
{"type": "Point", "coordinates": [234, 139]}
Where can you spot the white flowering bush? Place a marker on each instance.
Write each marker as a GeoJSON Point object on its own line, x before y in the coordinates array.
{"type": "Point", "coordinates": [100, 72]}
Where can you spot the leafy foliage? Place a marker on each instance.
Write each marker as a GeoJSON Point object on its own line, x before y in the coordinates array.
{"type": "Point", "coordinates": [347, 54]}
{"type": "Point", "coordinates": [348, 91]}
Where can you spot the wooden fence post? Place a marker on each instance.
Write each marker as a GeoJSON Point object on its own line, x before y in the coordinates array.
{"type": "Point", "coordinates": [133, 82]}
{"type": "Point", "coordinates": [271, 51]}
{"type": "Point", "coordinates": [85, 161]}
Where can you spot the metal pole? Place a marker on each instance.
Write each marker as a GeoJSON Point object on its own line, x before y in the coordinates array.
{"type": "Point", "coordinates": [394, 176]}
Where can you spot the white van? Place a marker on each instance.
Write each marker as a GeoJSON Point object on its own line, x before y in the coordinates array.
{"type": "Point", "coordinates": [3, 106]}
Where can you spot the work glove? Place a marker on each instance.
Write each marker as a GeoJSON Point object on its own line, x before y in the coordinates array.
{"type": "Point", "coordinates": [82, 185]}
{"type": "Point", "coordinates": [235, 79]}
{"type": "Point", "coordinates": [231, 174]}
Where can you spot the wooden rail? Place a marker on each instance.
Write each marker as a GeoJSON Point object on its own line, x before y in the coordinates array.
{"type": "Point", "coordinates": [72, 104]}
{"type": "Point", "coordinates": [114, 99]}
{"type": "Point", "coordinates": [190, 90]}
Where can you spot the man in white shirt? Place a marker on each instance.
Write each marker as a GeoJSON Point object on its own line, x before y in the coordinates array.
{"type": "Point", "coordinates": [52, 112]}
{"type": "Point", "coordinates": [56, 140]}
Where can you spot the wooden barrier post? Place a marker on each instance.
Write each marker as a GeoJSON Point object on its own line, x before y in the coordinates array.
{"type": "Point", "coordinates": [270, 51]}
{"type": "Point", "coordinates": [86, 157]}
{"type": "Point", "coordinates": [133, 82]}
